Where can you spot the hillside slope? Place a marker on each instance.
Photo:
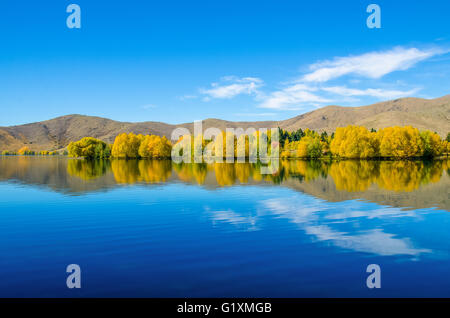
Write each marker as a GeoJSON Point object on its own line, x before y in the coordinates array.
{"type": "Point", "coordinates": [431, 114]}
{"type": "Point", "coordinates": [58, 132]}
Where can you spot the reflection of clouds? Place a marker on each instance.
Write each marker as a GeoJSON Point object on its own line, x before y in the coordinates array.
{"type": "Point", "coordinates": [229, 216]}
{"type": "Point", "coordinates": [307, 212]}
{"type": "Point", "coordinates": [317, 221]}
{"type": "Point", "coordinates": [292, 210]}
{"type": "Point", "coordinates": [372, 214]}
{"type": "Point", "coordinates": [374, 241]}
{"type": "Point", "coordinates": [299, 211]}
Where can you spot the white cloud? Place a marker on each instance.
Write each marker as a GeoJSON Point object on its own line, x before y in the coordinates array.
{"type": "Point", "coordinates": [292, 97]}
{"type": "Point", "coordinates": [234, 86]}
{"type": "Point", "coordinates": [370, 65]}
{"type": "Point", "coordinates": [374, 92]}
{"type": "Point", "coordinates": [310, 90]}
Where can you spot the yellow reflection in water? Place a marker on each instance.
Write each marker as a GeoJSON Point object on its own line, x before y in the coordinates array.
{"type": "Point", "coordinates": [354, 175]}
{"type": "Point", "coordinates": [132, 171]}
{"type": "Point", "coordinates": [399, 176]}
{"type": "Point", "coordinates": [408, 175]}
{"type": "Point", "coordinates": [87, 169]}
{"type": "Point", "coordinates": [349, 175]}
{"type": "Point", "coordinates": [195, 172]}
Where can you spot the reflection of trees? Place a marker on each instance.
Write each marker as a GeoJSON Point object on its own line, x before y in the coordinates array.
{"type": "Point", "coordinates": [353, 175]}
{"type": "Point", "coordinates": [408, 175]}
{"type": "Point", "coordinates": [243, 172]}
{"type": "Point", "coordinates": [153, 171]}
{"type": "Point", "coordinates": [348, 175]}
{"type": "Point", "coordinates": [229, 173]}
{"type": "Point", "coordinates": [310, 170]}
{"type": "Point", "coordinates": [87, 169]}
{"type": "Point", "coordinates": [125, 171]}
{"type": "Point", "coordinates": [446, 166]}
{"type": "Point", "coordinates": [150, 171]}
{"type": "Point", "coordinates": [190, 172]}
{"type": "Point", "coordinates": [390, 175]}
{"type": "Point", "coordinates": [225, 173]}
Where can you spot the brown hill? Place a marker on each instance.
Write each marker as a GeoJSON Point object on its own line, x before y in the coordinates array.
{"type": "Point", "coordinates": [431, 114]}
{"type": "Point", "coordinates": [56, 133]}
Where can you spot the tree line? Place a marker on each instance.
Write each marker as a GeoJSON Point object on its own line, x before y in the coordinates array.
{"type": "Point", "coordinates": [128, 146]}
{"type": "Point", "coordinates": [359, 142]}
{"type": "Point", "coordinates": [346, 142]}
{"type": "Point", "coordinates": [26, 151]}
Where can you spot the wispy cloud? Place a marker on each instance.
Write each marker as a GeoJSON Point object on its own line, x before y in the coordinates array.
{"type": "Point", "coordinates": [313, 90]}
{"type": "Point", "coordinates": [374, 92]}
{"type": "Point", "coordinates": [231, 86]}
{"type": "Point", "coordinates": [309, 90]}
{"type": "Point", "coordinates": [371, 65]}
{"type": "Point", "coordinates": [300, 95]}
{"type": "Point", "coordinates": [292, 97]}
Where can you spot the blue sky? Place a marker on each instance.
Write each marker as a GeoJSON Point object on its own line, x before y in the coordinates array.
{"type": "Point", "coordinates": [180, 61]}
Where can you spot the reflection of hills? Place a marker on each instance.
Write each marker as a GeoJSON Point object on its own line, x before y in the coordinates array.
{"type": "Point", "coordinates": [427, 196]}
{"type": "Point", "coordinates": [50, 172]}
{"type": "Point", "coordinates": [414, 184]}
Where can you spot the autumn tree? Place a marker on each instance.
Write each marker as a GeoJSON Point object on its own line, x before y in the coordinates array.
{"type": "Point", "coordinates": [127, 145]}
{"type": "Point", "coordinates": [400, 142]}
{"type": "Point", "coordinates": [446, 147]}
{"type": "Point", "coordinates": [89, 147]}
{"type": "Point", "coordinates": [309, 147]}
{"type": "Point", "coordinates": [25, 151]}
{"type": "Point", "coordinates": [355, 142]}
{"type": "Point", "coordinates": [432, 144]}
{"type": "Point", "coordinates": [155, 147]}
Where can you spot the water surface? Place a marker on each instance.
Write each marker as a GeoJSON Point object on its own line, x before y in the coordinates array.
{"type": "Point", "coordinates": [157, 229]}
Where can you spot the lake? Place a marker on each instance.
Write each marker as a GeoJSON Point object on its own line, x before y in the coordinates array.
{"type": "Point", "coordinates": [159, 229]}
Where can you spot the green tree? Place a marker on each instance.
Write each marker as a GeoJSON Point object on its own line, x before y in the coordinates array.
{"type": "Point", "coordinates": [89, 147]}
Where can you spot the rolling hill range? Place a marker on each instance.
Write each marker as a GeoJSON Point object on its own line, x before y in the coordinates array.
{"type": "Point", "coordinates": [432, 114]}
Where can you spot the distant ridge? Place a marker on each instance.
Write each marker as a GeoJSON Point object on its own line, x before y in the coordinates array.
{"type": "Point", "coordinates": [53, 134]}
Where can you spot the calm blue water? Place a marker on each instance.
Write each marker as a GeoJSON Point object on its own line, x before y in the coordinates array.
{"type": "Point", "coordinates": [178, 239]}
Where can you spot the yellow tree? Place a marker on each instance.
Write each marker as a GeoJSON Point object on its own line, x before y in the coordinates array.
{"type": "Point", "coordinates": [355, 142]}
{"type": "Point", "coordinates": [89, 147]}
{"type": "Point", "coordinates": [127, 146]}
{"type": "Point", "coordinates": [160, 147]}
{"type": "Point", "coordinates": [309, 146]}
{"type": "Point", "coordinates": [433, 146]}
{"type": "Point", "coordinates": [24, 151]}
{"type": "Point", "coordinates": [400, 142]}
